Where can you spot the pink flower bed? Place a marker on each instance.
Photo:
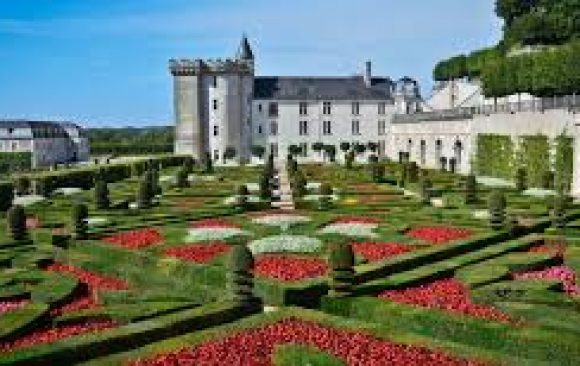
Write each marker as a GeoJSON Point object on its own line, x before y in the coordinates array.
{"type": "Point", "coordinates": [255, 347]}
{"type": "Point", "coordinates": [9, 305]}
{"type": "Point", "coordinates": [563, 274]}
{"type": "Point", "coordinates": [373, 251]}
{"type": "Point", "coordinates": [216, 222]}
{"type": "Point", "coordinates": [135, 239]}
{"type": "Point", "coordinates": [438, 234]}
{"type": "Point", "coordinates": [289, 268]}
{"type": "Point", "coordinates": [449, 295]}
{"type": "Point", "coordinates": [199, 253]}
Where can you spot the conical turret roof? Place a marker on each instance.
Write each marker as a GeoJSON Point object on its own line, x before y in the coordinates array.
{"type": "Point", "coordinates": [245, 50]}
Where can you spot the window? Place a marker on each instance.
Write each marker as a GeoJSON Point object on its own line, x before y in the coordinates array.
{"type": "Point", "coordinates": [381, 108]}
{"type": "Point", "coordinates": [215, 130]}
{"type": "Point", "coordinates": [355, 127]}
{"type": "Point", "coordinates": [260, 107]}
{"type": "Point", "coordinates": [304, 150]}
{"type": "Point", "coordinates": [355, 108]}
{"type": "Point", "coordinates": [382, 127]}
{"type": "Point", "coordinates": [215, 104]}
{"type": "Point", "coordinates": [259, 129]}
{"type": "Point", "coordinates": [303, 107]}
{"type": "Point", "coordinates": [326, 128]}
{"type": "Point", "coordinates": [216, 155]}
{"type": "Point", "coordinates": [273, 128]}
{"type": "Point", "coordinates": [303, 128]}
{"type": "Point", "coordinates": [326, 108]}
{"type": "Point", "coordinates": [214, 81]}
{"type": "Point", "coordinates": [273, 109]}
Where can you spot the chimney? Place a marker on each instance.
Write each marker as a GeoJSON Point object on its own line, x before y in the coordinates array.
{"type": "Point", "coordinates": [368, 74]}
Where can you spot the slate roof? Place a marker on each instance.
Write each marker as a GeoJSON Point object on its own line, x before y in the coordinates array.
{"type": "Point", "coordinates": [245, 51]}
{"type": "Point", "coordinates": [322, 88]}
{"type": "Point", "coordinates": [39, 129]}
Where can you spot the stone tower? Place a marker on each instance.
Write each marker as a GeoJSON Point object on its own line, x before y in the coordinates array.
{"type": "Point", "coordinates": [213, 105]}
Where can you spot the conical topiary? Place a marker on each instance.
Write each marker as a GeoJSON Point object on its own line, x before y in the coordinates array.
{"type": "Point", "coordinates": [102, 201]}
{"type": "Point", "coordinates": [16, 219]}
{"type": "Point", "coordinates": [341, 262]}
{"type": "Point", "coordinates": [497, 206]}
{"type": "Point", "coordinates": [412, 172]}
{"type": "Point", "coordinates": [208, 164]}
{"type": "Point", "coordinates": [402, 176]}
{"type": "Point", "coordinates": [181, 177]}
{"type": "Point", "coordinates": [144, 193]}
{"type": "Point", "coordinates": [470, 190]}
{"type": "Point", "coordinates": [241, 263]}
{"type": "Point", "coordinates": [80, 214]}
{"type": "Point", "coordinates": [559, 211]}
{"type": "Point", "coordinates": [521, 179]}
{"type": "Point", "coordinates": [548, 180]}
{"type": "Point", "coordinates": [265, 189]}
{"type": "Point", "coordinates": [242, 197]}
{"type": "Point", "coordinates": [425, 186]}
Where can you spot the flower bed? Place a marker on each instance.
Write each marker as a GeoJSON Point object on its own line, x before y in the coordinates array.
{"type": "Point", "coordinates": [93, 280]}
{"type": "Point", "coordinates": [373, 251]}
{"type": "Point", "coordinates": [289, 268]}
{"type": "Point", "coordinates": [285, 243]}
{"type": "Point", "coordinates": [135, 239]}
{"type": "Point", "coordinates": [563, 274]}
{"type": "Point", "coordinates": [214, 223]}
{"type": "Point", "coordinates": [199, 253]}
{"type": "Point", "coordinates": [9, 305]}
{"type": "Point", "coordinates": [438, 234]}
{"type": "Point", "coordinates": [556, 248]}
{"type": "Point", "coordinates": [282, 221]}
{"type": "Point", "coordinates": [449, 295]}
{"type": "Point", "coordinates": [355, 230]}
{"type": "Point", "coordinates": [356, 220]}
{"type": "Point", "coordinates": [256, 346]}
{"type": "Point", "coordinates": [49, 335]}
{"type": "Point", "coordinates": [200, 234]}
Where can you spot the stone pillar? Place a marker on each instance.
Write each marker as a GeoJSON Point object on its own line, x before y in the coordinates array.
{"type": "Point", "coordinates": [576, 160]}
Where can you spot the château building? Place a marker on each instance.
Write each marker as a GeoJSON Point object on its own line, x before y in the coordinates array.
{"type": "Point", "coordinates": [222, 105]}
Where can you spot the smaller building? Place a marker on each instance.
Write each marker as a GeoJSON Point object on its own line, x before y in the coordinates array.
{"type": "Point", "coordinates": [47, 142]}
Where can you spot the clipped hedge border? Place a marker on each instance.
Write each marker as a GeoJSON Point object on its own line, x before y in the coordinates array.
{"type": "Point", "coordinates": [121, 339]}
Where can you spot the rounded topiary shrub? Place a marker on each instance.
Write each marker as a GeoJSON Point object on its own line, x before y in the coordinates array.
{"type": "Point", "coordinates": [102, 201]}
{"type": "Point", "coordinates": [16, 219]}
{"type": "Point", "coordinates": [241, 264]}
{"type": "Point", "coordinates": [497, 206]}
{"type": "Point", "coordinates": [325, 189]}
{"type": "Point", "coordinates": [265, 190]}
{"type": "Point", "coordinates": [521, 180]}
{"type": "Point", "coordinates": [341, 260]}
{"type": "Point", "coordinates": [144, 193]}
{"type": "Point", "coordinates": [80, 214]}
{"type": "Point", "coordinates": [22, 185]}
{"type": "Point", "coordinates": [470, 190]}
{"type": "Point", "coordinates": [412, 172]}
{"type": "Point", "coordinates": [181, 178]}
{"type": "Point", "coordinates": [548, 180]}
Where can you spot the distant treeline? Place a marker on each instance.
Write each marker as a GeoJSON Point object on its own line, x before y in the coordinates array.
{"type": "Point", "coordinates": [131, 140]}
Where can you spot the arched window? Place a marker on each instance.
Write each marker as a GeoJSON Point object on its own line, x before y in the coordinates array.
{"type": "Point", "coordinates": [458, 152]}
{"type": "Point", "coordinates": [438, 151]}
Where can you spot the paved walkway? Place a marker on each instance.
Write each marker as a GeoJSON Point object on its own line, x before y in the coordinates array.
{"type": "Point", "coordinates": [286, 201]}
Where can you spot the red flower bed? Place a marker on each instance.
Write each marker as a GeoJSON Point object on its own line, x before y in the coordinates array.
{"type": "Point", "coordinates": [135, 239]}
{"type": "Point", "coordinates": [563, 274]}
{"type": "Point", "coordinates": [356, 220]}
{"type": "Point", "coordinates": [216, 222]}
{"type": "Point", "coordinates": [9, 305]}
{"type": "Point", "coordinates": [199, 253]}
{"type": "Point", "coordinates": [255, 347]}
{"type": "Point", "coordinates": [556, 248]}
{"type": "Point", "coordinates": [49, 335]}
{"type": "Point", "coordinates": [93, 280]}
{"type": "Point", "coordinates": [450, 295]}
{"type": "Point", "coordinates": [378, 251]}
{"type": "Point", "coordinates": [289, 268]}
{"type": "Point", "coordinates": [438, 234]}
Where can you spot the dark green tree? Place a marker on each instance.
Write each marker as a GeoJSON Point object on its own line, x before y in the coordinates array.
{"type": "Point", "coordinates": [521, 180]}
{"type": "Point", "coordinates": [470, 190]}
{"type": "Point", "coordinates": [79, 216]}
{"type": "Point", "coordinates": [181, 178]}
{"type": "Point", "coordinates": [102, 201]}
{"type": "Point", "coordinates": [497, 206]}
{"type": "Point", "coordinates": [241, 263]}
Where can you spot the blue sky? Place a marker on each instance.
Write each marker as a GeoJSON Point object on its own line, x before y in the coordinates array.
{"type": "Point", "coordinates": [104, 62]}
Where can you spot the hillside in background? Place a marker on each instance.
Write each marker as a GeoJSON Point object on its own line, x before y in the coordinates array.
{"type": "Point", "coordinates": [539, 53]}
{"type": "Point", "coordinates": [131, 140]}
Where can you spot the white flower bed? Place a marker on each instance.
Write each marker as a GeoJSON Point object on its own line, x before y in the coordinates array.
{"type": "Point", "coordinates": [437, 202]}
{"type": "Point", "coordinates": [96, 221]}
{"type": "Point", "coordinates": [253, 187]}
{"type": "Point", "coordinates": [313, 185]}
{"type": "Point", "coordinates": [281, 221]}
{"type": "Point", "coordinates": [201, 178]}
{"type": "Point", "coordinates": [495, 182]}
{"type": "Point", "coordinates": [539, 193]}
{"type": "Point", "coordinates": [167, 178]}
{"type": "Point", "coordinates": [213, 233]}
{"type": "Point", "coordinates": [67, 191]}
{"type": "Point", "coordinates": [232, 199]}
{"type": "Point", "coordinates": [285, 243]}
{"type": "Point", "coordinates": [27, 200]}
{"type": "Point", "coordinates": [481, 214]}
{"type": "Point", "coordinates": [358, 230]}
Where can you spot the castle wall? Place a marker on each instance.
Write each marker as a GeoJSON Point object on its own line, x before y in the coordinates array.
{"type": "Point", "coordinates": [188, 108]}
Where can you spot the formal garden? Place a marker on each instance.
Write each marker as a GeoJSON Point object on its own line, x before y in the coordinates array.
{"type": "Point", "coordinates": [169, 261]}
